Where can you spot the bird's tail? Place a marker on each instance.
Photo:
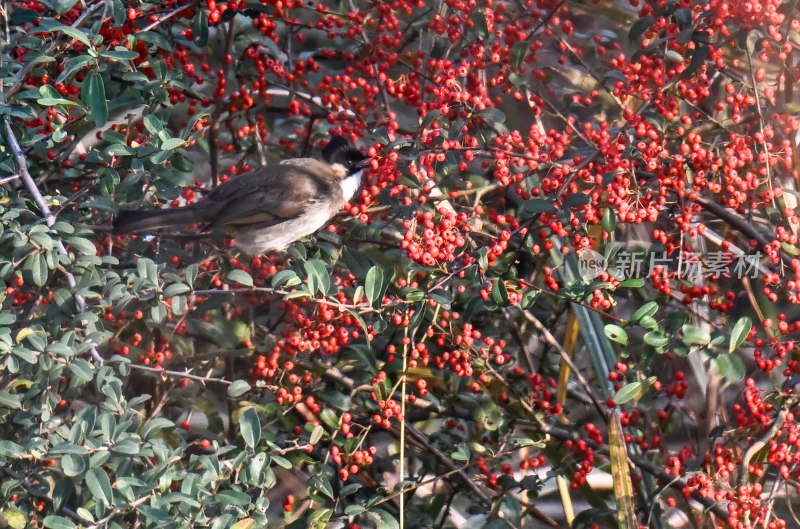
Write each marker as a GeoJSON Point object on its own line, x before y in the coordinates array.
{"type": "Point", "coordinates": [131, 220]}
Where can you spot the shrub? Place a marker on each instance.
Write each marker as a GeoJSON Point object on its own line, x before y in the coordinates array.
{"type": "Point", "coordinates": [575, 253]}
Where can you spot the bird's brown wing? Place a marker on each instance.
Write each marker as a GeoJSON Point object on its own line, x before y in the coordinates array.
{"type": "Point", "coordinates": [268, 195]}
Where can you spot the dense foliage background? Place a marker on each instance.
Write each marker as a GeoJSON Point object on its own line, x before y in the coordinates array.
{"type": "Point", "coordinates": [442, 337]}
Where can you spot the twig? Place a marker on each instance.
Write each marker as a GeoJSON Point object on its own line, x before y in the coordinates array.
{"type": "Point", "coordinates": [419, 437]}
{"type": "Point", "coordinates": [754, 448]}
{"type": "Point", "coordinates": [181, 374]}
{"type": "Point", "coordinates": [760, 121]}
{"type": "Point", "coordinates": [50, 219]}
{"type": "Point", "coordinates": [9, 179]}
{"type": "Point", "coordinates": [673, 482]}
{"type": "Point", "coordinates": [169, 15]}
{"type": "Point", "coordinates": [281, 292]}
{"type": "Point", "coordinates": [550, 339]}
{"type": "Point", "coordinates": [739, 223]}
{"type": "Point", "coordinates": [103, 521]}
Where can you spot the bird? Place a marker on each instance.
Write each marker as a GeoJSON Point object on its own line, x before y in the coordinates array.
{"type": "Point", "coordinates": [269, 208]}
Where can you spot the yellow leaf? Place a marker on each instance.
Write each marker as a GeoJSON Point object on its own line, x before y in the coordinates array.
{"type": "Point", "coordinates": [14, 518]}
{"type": "Point", "coordinates": [27, 331]}
{"type": "Point", "coordinates": [247, 523]}
{"type": "Point", "coordinates": [620, 472]}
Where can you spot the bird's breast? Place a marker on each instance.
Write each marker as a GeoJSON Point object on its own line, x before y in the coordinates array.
{"type": "Point", "coordinates": [350, 185]}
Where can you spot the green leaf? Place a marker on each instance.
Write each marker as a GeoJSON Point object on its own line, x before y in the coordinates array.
{"type": "Point", "coordinates": [381, 135]}
{"type": "Point", "coordinates": [575, 200]}
{"type": "Point", "coordinates": [648, 309]}
{"type": "Point", "coordinates": [84, 246]}
{"type": "Point", "coordinates": [616, 333]}
{"type": "Point", "coordinates": [656, 339]}
{"type": "Point", "coordinates": [232, 497]}
{"type": "Point", "coordinates": [461, 453]}
{"type": "Point", "coordinates": [628, 392]}
{"type": "Point", "coordinates": [699, 56]}
{"type": "Point", "coordinates": [320, 483]}
{"type": "Point", "coordinates": [500, 293]}
{"type": "Point", "coordinates": [635, 282]}
{"type": "Point", "coordinates": [479, 19]}
{"type": "Point", "coordinates": [200, 28]}
{"type": "Point", "coordinates": [172, 143]}
{"type": "Point", "coordinates": [319, 519]}
{"type": "Point", "coordinates": [58, 522]}
{"type": "Point", "coordinates": [93, 95]}
{"type": "Point", "coordinates": [241, 277]}
{"type": "Point", "coordinates": [739, 333]}
{"type": "Point", "coordinates": [99, 485]}
{"type": "Point", "coordinates": [536, 206]}
{"type": "Point", "coordinates": [155, 38]}
{"type": "Point", "coordinates": [73, 465]}
{"type": "Point", "coordinates": [492, 115]}
{"type": "Point", "coordinates": [316, 434]}
{"type": "Point", "coordinates": [75, 33]}
{"type": "Point", "coordinates": [442, 297]}
{"type": "Point", "coordinates": [155, 425]}
{"type": "Point", "coordinates": [281, 461]}
{"type": "Point", "coordinates": [695, 335]}
{"type": "Point", "coordinates": [387, 521]}
{"type": "Point", "coordinates": [329, 418]}
{"type": "Point", "coordinates": [518, 52]}
{"type": "Point", "coordinates": [429, 118]}
{"type": "Point", "coordinates": [81, 369]}
{"type": "Point", "coordinates": [609, 221]}
{"type": "Point", "coordinates": [158, 313]}
{"type": "Point", "coordinates": [72, 65]}
{"type": "Point", "coordinates": [375, 285]}
{"type": "Point", "coordinates": [354, 510]}
{"type": "Point", "coordinates": [347, 490]}
{"type": "Point", "coordinates": [250, 426]}
{"type": "Point", "coordinates": [153, 124]}
{"type": "Point", "coordinates": [640, 27]}
{"type": "Point", "coordinates": [238, 388]}
{"type": "Point", "coordinates": [120, 54]}
{"type": "Point", "coordinates": [10, 449]}
{"type": "Point", "coordinates": [286, 278]}
{"type": "Point", "coordinates": [730, 366]}
{"type": "Point", "coordinates": [319, 279]}
{"type": "Point", "coordinates": [176, 289]}
{"type": "Point", "coordinates": [9, 400]}
{"type": "Point", "coordinates": [56, 101]}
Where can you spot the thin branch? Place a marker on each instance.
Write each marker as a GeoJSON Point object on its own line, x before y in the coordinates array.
{"type": "Point", "coordinates": [550, 339]}
{"type": "Point", "coordinates": [739, 223]}
{"type": "Point", "coordinates": [181, 374]}
{"type": "Point", "coordinates": [9, 179]}
{"type": "Point", "coordinates": [169, 15]}
{"type": "Point", "coordinates": [760, 121]}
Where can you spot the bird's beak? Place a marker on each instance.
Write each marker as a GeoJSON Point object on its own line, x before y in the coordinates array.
{"type": "Point", "coordinates": [364, 163]}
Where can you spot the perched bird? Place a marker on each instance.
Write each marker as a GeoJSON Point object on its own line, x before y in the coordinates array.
{"type": "Point", "coordinates": [269, 208]}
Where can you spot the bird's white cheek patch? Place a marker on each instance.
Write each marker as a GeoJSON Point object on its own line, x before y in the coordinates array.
{"type": "Point", "coordinates": [350, 185]}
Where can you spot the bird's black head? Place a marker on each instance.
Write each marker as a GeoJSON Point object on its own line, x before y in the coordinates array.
{"type": "Point", "coordinates": [339, 150]}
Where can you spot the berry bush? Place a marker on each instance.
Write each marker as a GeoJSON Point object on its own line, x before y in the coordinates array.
{"type": "Point", "coordinates": [565, 296]}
